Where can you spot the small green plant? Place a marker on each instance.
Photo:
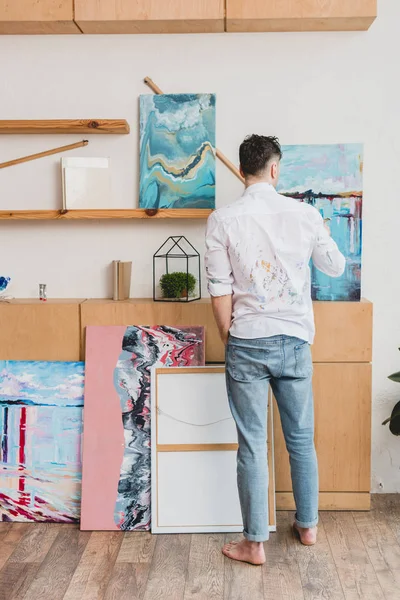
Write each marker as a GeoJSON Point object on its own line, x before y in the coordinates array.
{"type": "Point", "coordinates": [394, 419]}
{"type": "Point", "coordinates": [177, 285]}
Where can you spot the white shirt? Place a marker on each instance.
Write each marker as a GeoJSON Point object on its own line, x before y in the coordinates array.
{"type": "Point", "coordinates": [259, 249]}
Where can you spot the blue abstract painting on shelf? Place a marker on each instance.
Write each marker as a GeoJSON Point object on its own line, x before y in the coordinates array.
{"type": "Point", "coordinates": [330, 178]}
{"type": "Point", "coordinates": [41, 407]}
{"type": "Point", "coordinates": [177, 151]}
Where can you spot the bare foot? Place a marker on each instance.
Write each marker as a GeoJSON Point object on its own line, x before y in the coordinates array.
{"type": "Point", "coordinates": [308, 537]}
{"type": "Point", "coordinates": [245, 551]}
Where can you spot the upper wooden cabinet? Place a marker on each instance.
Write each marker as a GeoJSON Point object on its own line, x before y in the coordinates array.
{"type": "Point", "coordinates": [150, 16]}
{"type": "Point", "coordinates": [34, 16]}
{"type": "Point", "coordinates": [300, 15]}
{"type": "Point", "coordinates": [183, 16]}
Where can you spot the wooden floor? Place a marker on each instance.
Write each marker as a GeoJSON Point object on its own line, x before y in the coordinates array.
{"type": "Point", "coordinates": [357, 556]}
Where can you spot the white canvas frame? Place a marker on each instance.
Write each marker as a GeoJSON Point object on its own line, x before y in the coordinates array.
{"type": "Point", "coordinates": [188, 462]}
{"type": "Point", "coordinates": [86, 183]}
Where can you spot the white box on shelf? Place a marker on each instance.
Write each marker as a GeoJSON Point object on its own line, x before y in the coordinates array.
{"type": "Point", "coordinates": [86, 183]}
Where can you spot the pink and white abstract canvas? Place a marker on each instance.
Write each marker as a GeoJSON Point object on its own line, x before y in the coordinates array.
{"type": "Point", "coordinates": [116, 483]}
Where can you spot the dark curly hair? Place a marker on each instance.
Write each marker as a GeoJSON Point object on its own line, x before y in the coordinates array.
{"type": "Point", "coordinates": [256, 151]}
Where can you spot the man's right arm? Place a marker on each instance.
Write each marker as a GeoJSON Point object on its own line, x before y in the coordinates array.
{"type": "Point", "coordinates": [222, 310]}
{"type": "Point", "coordinates": [326, 255]}
{"type": "Point", "coordinates": [219, 276]}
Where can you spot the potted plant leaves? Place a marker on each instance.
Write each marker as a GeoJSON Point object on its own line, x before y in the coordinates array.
{"type": "Point", "coordinates": [177, 285]}
{"type": "Point", "coordinates": [176, 271]}
{"type": "Point", "coordinates": [394, 419]}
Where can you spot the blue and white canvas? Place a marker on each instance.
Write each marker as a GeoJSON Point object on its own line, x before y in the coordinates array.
{"type": "Point", "coordinates": [41, 407]}
{"type": "Point", "coordinates": [329, 177]}
{"type": "Point", "coordinates": [177, 151]}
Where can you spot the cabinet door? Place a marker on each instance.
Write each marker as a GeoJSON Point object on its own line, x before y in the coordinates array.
{"type": "Point", "coordinates": [34, 330]}
{"type": "Point", "coordinates": [300, 15]}
{"type": "Point", "coordinates": [342, 397]}
{"type": "Point", "coordinates": [344, 332]}
{"type": "Point", "coordinates": [31, 16]}
{"type": "Point", "coordinates": [150, 16]}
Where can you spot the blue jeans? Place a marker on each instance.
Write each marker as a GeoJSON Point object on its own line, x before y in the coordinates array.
{"type": "Point", "coordinates": [285, 363]}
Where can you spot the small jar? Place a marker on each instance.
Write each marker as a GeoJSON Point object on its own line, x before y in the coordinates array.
{"type": "Point", "coordinates": [42, 292]}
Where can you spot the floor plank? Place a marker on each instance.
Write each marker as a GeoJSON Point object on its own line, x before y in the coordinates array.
{"type": "Point", "coordinates": [128, 582]}
{"type": "Point", "coordinates": [281, 573]}
{"type": "Point", "coordinates": [56, 571]}
{"type": "Point", "coordinates": [4, 529]}
{"type": "Point", "coordinates": [168, 569]}
{"type": "Point", "coordinates": [131, 571]}
{"type": "Point", "coordinates": [205, 579]}
{"type": "Point", "coordinates": [137, 547]}
{"type": "Point", "coordinates": [383, 549]}
{"type": "Point", "coordinates": [242, 581]}
{"type": "Point", "coordinates": [356, 573]}
{"type": "Point", "coordinates": [390, 504]}
{"type": "Point", "coordinates": [10, 538]}
{"type": "Point", "coordinates": [93, 573]}
{"type": "Point", "coordinates": [15, 579]}
{"type": "Point", "coordinates": [318, 573]}
{"type": "Point", "coordinates": [35, 544]}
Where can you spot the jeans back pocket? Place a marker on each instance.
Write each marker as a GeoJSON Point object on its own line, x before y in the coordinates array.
{"type": "Point", "coordinates": [303, 360]}
{"type": "Point", "coordinates": [246, 363]}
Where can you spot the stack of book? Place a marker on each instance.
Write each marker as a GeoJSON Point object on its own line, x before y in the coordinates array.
{"type": "Point", "coordinates": [121, 279]}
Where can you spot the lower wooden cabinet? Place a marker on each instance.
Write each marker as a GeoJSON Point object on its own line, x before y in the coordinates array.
{"type": "Point", "coordinates": [55, 330]}
{"type": "Point", "coordinates": [342, 396]}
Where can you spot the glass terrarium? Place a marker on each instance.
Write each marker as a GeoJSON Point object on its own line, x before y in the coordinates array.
{"type": "Point", "coordinates": [176, 271]}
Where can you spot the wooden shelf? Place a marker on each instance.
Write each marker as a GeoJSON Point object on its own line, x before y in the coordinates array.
{"type": "Point", "coordinates": [66, 126]}
{"type": "Point", "coordinates": [70, 215]}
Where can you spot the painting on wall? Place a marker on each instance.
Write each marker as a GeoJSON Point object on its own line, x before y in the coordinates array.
{"type": "Point", "coordinates": [40, 440]}
{"type": "Point", "coordinates": [116, 485]}
{"type": "Point", "coordinates": [329, 177]}
{"type": "Point", "coordinates": [177, 156]}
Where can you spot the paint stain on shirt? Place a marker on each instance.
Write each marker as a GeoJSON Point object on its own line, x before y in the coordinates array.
{"type": "Point", "coordinates": [269, 282]}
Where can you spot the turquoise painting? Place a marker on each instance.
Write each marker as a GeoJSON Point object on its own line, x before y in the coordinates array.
{"type": "Point", "coordinates": [329, 177]}
{"type": "Point", "coordinates": [41, 406]}
{"type": "Point", "coordinates": [177, 151]}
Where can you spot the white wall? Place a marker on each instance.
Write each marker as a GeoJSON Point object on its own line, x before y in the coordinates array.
{"type": "Point", "coordinates": [305, 88]}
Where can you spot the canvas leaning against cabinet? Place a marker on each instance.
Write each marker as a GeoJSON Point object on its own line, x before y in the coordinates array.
{"type": "Point", "coordinates": [116, 485]}
{"type": "Point", "coordinates": [194, 445]}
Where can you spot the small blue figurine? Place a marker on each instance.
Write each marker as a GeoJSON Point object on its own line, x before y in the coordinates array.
{"type": "Point", "coordinates": [4, 281]}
